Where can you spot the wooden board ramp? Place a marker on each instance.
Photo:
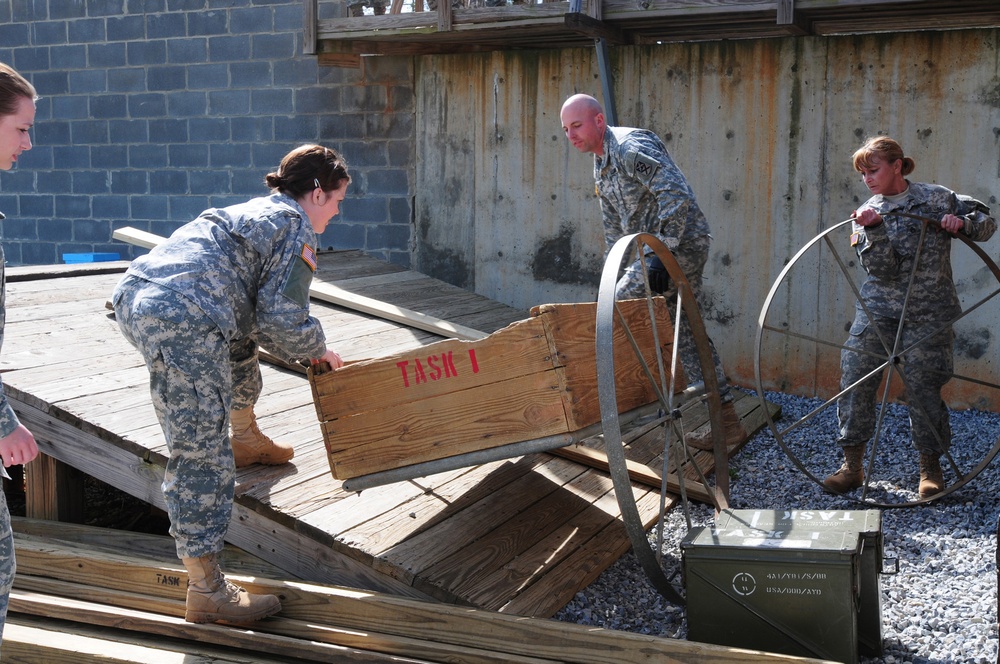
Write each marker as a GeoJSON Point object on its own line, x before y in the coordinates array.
{"type": "Point", "coordinates": [519, 535]}
{"type": "Point", "coordinates": [111, 592]}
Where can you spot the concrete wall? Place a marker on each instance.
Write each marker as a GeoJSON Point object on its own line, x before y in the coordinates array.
{"type": "Point", "coordinates": [154, 110]}
{"type": "Point", "coordinates": [764, 131]}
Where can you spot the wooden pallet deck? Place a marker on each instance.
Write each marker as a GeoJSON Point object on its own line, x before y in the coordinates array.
{"type": "Point", "coordinates": [520, 536]}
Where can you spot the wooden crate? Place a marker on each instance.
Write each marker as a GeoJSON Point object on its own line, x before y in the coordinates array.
{"type": "Point", "coordinates": [532, 379]}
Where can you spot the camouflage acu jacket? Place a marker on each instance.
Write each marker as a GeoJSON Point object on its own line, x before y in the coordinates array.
{"type": "Point", "coordinates": [643, 191]}
{"type": "Point", "coordinates": [248, 267]}
{"type": "Point", "coordinates": [887, 252]}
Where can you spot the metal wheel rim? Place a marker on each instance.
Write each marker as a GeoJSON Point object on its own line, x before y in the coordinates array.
{"type": "Point", "coordinates": [607, 395]}
{"type": "Point", "coordinates": [763, 326]}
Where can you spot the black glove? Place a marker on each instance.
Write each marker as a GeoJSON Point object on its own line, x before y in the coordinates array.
{"type": "Point", "coordinates": [659, 280]}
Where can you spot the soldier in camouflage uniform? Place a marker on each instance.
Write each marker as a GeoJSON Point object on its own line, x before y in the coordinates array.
{"type": "Point", "coordinates": [17, 445]}
{"type": "Point", "coordinates": [196, 307]}
{"type": "Point", "coordinates": [887, 245]}
{"type": "Point", "coordinates": [642, 190]}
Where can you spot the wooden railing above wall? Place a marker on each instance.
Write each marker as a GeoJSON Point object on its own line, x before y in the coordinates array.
{"type": "Point", "coordinates": [416, 27]}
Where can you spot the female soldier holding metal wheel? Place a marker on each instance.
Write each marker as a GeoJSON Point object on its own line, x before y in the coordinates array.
{"type": "Point", "coordinates": [909, 275]}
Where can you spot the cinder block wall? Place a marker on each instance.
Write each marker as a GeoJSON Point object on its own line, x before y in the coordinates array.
{"type": "Point", "coordinates": [154, 110]}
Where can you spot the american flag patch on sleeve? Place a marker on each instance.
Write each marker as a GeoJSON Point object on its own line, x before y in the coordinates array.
{"type": "Point", "coordinates": [309, 256]}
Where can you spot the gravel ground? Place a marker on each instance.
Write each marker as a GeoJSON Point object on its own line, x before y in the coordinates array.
{"type": "Point", "coordinates": [941, 607]}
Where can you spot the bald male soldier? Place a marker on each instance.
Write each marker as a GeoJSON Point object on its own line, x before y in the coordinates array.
{"type": "Point", "coordinates": [642, 191]}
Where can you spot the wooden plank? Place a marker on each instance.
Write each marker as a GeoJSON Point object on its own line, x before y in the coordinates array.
{"type": "Point", "coordinates": [520, 409]}
{"type": "Point", "coordinates": [423, 550]}
{"type": "Point", "coordinates": [114, 609]}
{"type": "Point", "coordinates": [18, 273]}
{"type": "Point", "coordinates": [431, 371]}
{"type": "Point", "coordinates": [31, 640]}
{"type": "Point", "coordinates": [336, 295]}
{"type": "Point", "coordinates": [573, 328]}
{"type": "Point", "coordinates": [310, 11]}
{"type": "Point", "coordinates": [381, 617]}
{"type": "Point", "coordinates": [53, 490]}
{"type": "Point", "coordinates": [537, 567]}
{"type": "Point", "coordinates": [636, 471]}
{"type": "Point", "coordinates": [484, 572]}
{"type": "Point", "coordinates": [150, 547]}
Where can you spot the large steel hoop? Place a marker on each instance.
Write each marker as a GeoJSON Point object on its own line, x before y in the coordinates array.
{"type": "Point", "coordinates": [615, 334]}
{"type": "Point", "coordinates": [793, 335]}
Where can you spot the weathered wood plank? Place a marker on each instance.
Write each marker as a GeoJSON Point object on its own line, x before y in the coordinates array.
{"type": "Point", "coordinates": [418, 553]}
{"type": "Point", "coordinates": [115, 609]}
{"type": "Point", "coordinates": [637, 471]}
{"type": "Point", "coordinates": [440, 498]}
{"type": "Point", "coordinates": [322, 613]}
{"type": "Point", "coordinates": [519, 409]}
{"type": "Point", "coordinates": [336, 295]}
{"type": "Point", "coordinates": [432, 371]}
{"type": "Point", "coordinates": [473, 572]}
{"type": "Point", "coordinates": [540, 563]}
{"type": "Point", "coordinates": [147, 546]}
{"type": "Point", "coordinates": [31, 640]}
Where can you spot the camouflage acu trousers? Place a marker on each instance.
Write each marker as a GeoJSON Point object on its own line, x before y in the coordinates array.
{"type": "Point", "coordinates": [926, 368]}
{"type": "Point", "coordinates": [7, 563]}
{"type": "Point", "coordinates": [191, 383]}
{"type": "Point", "coordinates": [691, 258]}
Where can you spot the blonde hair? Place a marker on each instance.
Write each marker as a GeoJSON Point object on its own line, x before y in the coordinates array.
{"type": "Point", "coordinates": [881, 148]}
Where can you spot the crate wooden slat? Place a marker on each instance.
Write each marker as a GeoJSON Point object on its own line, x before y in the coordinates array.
{"type": "Point", "coordinates": [532, 379]}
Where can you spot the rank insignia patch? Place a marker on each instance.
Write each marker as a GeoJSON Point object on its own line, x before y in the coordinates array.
{"type": "Point", "coordinates": [855, 238]}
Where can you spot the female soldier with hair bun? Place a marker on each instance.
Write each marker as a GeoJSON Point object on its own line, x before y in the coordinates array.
{"type": "Point", "coordinates": [887, 245]}
{"type": "Point", "coordinates": [196, 307]}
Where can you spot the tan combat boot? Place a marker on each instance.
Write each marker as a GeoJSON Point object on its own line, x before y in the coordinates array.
{"type": "Point", "coordinates": [851, 473]}
{"type": "Point", "coordinates": [250, 445]}
{"type": "Point", "coordinates": [732, 425]}
{"type": "Point", "coordinates": [211, 598]}
{"type": "Point", "coordinates": [931, 477]}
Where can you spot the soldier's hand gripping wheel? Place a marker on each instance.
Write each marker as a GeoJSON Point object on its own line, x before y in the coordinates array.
{"type": "Point", "coordinates": [658, 443]}
{"type": "Point", "coordinates": [802, 345]}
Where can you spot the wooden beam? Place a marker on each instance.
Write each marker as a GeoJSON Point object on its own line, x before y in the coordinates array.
{"type": "Point", "coordinates": [586, 25]}
{"type": "Point", "coordinates": [638, 472]}
{"type": "Point", "coordinates": [310, 17]}
{"type": "Point", "coordinates": [163, 618]}
{"type": "Point", "coordinates": [32, 639]}
{"type": "Point", "coordinates": [338, 296]}
{"type": "Point", "coordinates": [444, 16]}
{"type": "Point", "coordinates": [53, 490]}
{"type": "Point", "coordinates": [788, 16]}
{"type": "Point", "coordinates": [312, 615]}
